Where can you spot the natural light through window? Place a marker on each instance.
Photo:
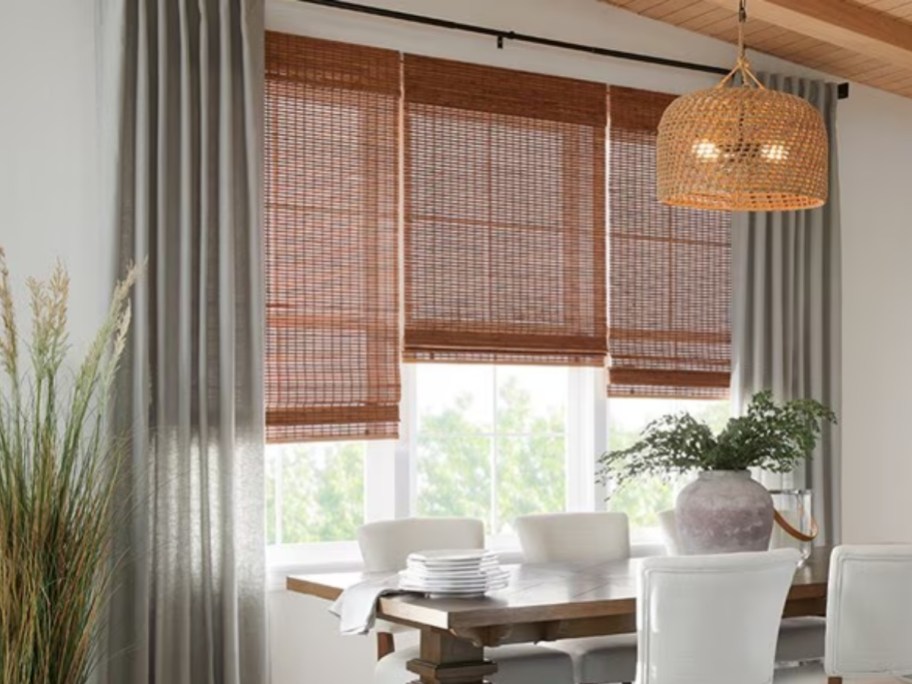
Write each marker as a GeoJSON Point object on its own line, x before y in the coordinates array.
{"type": "Point", "coordinates": [314, 492]}
{"type": "Point", "coordinates": [488, 441]}
{"type": "Point", "coordinates": [491, 442]}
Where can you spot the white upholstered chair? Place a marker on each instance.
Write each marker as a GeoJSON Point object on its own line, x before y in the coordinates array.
{"type": "Point", "coordinates": [800, 638]}
{"type": "Point", "coordinates": [711, 619]}
{"type": "Point", "coordinates": [869, 617]}
{"type": "Point", "coordinates": [569, 537]}
{"type": "Point", "coordinates": [584, 538]}
{"type": "Point", "coordinates": [385, 546]}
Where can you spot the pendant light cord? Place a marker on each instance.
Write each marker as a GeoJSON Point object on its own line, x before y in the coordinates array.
{"type": "Point", "coordinates": [742, 19]}
{"type": "Point", "coordinates": [742, 65]}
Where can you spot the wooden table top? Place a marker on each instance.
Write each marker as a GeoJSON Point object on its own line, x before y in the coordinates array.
{"type": "Point", "coordinates": [540, 593]}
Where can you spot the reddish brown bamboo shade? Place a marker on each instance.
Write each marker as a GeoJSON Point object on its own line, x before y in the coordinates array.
{"type": "Point", "coordinates": [504, 216]}
{"type": "Point", "coordinates": [669, 269]}
{"type": "Point", "coordinates": [332, 321]}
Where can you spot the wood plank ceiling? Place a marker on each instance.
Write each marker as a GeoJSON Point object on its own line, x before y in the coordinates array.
{"type": "Point", "coordinates": [867, 41]}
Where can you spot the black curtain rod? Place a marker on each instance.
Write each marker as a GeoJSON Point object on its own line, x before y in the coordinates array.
{"type": "Point", "coordinates": [502, 36]}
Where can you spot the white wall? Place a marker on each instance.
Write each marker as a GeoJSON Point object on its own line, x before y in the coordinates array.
{"type": "Point", "coordinates": [875, 141]}
{"type": "Point", "coordinates": [875, 138]}
{"type": "Point", "coordinates": [48, 161]}
{"type": "Point", "coordinates": [49, 209]}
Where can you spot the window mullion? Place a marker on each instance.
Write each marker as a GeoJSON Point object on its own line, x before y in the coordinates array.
{"type": "Point", "coordinates": [581, 440]}
{"type": "Point", "coordinates": [379, 480]}
{"type": "Point", "coordinates": [406, 461]}
{"type": "Point", "coordinates": [599, 431]}
{"type": "Point", "coordinates": [495, 427]}
{"type": "Point", "coordinates": [279, 493]}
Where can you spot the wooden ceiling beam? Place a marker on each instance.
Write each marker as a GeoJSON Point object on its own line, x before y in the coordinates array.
{"type": "Point", "coordinates": [839, 22]}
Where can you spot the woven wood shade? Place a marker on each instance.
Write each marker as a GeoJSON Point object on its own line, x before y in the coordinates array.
{"type": "Point", "coordinates": [332, 320]}
{"type": "Point", "coordinates": [504, 216]}
{"type": "Point", "coordinates": [670, 270]}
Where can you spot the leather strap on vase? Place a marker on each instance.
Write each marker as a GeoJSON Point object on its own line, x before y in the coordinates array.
{"type": "Point", "coordinates": [793, 532]}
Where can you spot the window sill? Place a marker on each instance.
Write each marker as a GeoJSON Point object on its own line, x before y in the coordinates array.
{"type": "Point", "coordinates": [300, 559]}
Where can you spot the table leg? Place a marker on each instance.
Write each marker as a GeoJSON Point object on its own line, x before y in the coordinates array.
{"type": "Point", "coordinates": [446, 659]}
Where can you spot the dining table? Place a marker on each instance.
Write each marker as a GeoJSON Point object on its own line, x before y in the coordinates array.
{"type": "Point", "coordinates": [543, 602]}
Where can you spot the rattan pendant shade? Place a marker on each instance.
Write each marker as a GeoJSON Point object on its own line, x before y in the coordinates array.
{"type": "Point", "coordinates": [742, 148]}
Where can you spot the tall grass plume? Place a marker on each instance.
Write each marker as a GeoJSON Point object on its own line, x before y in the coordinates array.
{"type": "Point", "coordinates": [58, 470]}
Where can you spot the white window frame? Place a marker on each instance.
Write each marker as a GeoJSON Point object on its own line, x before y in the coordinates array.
{"type": "Point", "coordinates": [579, 472]}
{"type": "Point", "coordinates": [390, 474]}
{"type": "Point", "coordinates": [390, 477]}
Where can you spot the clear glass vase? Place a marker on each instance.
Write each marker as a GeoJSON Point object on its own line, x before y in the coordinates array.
{"type": "Point", "coordinates": [795, 526]}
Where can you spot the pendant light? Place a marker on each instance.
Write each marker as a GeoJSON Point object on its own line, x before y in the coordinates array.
{"type": "Point", "coordinates": [742, 147]}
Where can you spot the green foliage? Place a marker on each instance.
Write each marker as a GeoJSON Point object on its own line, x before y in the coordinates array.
{"type": "Point", "coordinates": [454, 464]}
{"type": "Point", "coordinates": [323, 487]}
{"type": "Point", "coordinates": [57, 484]}
{"type": "Point", "coordinates": [643, 498]}
{"type": "Point", "coordinates": [769, 436]}
{"type": "Point", "coordinates": [454, 461]}
{"type": "Point", "coordinates": [531, 460]}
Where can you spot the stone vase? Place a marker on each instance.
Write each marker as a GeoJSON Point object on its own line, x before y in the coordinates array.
{"type": "Point", "coordinates": [724, 511]}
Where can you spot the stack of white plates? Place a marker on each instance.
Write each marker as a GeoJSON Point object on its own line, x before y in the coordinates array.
{"type": "Point", "coordinates": [457, 572]}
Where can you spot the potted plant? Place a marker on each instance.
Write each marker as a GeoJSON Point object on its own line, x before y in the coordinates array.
{"type": "Point", "coordinates": [723, 510]}
{"type": "Point", "coordinates": [58, 472]}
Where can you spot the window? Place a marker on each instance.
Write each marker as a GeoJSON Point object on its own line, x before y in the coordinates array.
{"type": "Point", "coordinates": [491, 442]}
{"type": "Point", "coordinates": [488, 441]}
{"type": "Point", "coordinates": [422, 210]}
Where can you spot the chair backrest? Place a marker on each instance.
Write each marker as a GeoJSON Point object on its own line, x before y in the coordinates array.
{"type": "Point", "coordinates": [869, 612]}
{"type": "Point", "coordinates": [711, 619]}
{"type": "Point", "coordinates": [566, 537]}
{"type": "Point", "coordinates": [668, 524]}
{"type": "Point", "coordinates": [385, 545]}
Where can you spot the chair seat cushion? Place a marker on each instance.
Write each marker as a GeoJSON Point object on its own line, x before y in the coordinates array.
{"type": "Point", "coordinates": [516, 664]}
{"type": "Point", "coordinates": [801, 639]}
{"type": "Point", "coordinates": [598, 660]}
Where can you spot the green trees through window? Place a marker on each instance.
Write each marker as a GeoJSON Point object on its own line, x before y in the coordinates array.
{"type": "Point", "coordinates": [314, 492]}
{"type": "Point", "coordinates": [466, 468]}
{"type": "Point", "coordinates": [491, 442]}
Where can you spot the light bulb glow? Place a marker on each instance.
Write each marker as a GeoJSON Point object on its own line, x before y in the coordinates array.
{"type": "Point", "coordinates": [774, 152]}
{"type": "Point", "coordinates": [706, 150]}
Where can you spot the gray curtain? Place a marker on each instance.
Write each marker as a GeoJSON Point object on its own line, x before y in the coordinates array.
{"type": "Point", "coordinates": [185, 79]}
{"type": "Point", "coordinates": [786, 312]}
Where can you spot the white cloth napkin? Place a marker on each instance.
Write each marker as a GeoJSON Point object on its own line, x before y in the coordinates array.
{"type": "Point", "coordinates": [356, 607]}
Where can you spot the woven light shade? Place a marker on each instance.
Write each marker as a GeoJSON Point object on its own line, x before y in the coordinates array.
{"type": "Point", "coordinates": [742, 148]}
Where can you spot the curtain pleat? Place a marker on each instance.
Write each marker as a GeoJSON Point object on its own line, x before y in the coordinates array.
{"type": "Point", "coordinates": [189, 602]}
{"type": "Point", "coordinates": [786, 311]}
